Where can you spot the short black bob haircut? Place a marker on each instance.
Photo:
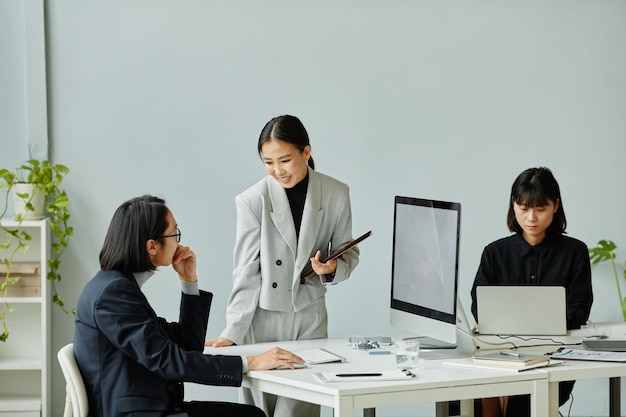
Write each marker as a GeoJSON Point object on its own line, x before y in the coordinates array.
{"type": "Point", "coordinates": [134, 223]}
{"type": "Point", "coordinates": [288, 129]}
{"type": "Point", "coordinates": [536, 187]}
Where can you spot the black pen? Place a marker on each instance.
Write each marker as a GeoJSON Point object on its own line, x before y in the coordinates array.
{"type": "Point", "coordinates": [348, 375]}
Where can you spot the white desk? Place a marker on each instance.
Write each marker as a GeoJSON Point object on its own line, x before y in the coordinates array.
{"type": "Point", "coordinates": [575, 370]}
{"type": "Point", "coordinates": [435, 383]}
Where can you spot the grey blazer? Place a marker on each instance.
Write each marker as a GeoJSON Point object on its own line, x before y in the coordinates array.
{"type": "Point", "coordinates": [268, 258]}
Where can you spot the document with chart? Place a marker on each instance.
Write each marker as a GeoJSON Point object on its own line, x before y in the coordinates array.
{"type": "Point", "coordinates": [589, 355]}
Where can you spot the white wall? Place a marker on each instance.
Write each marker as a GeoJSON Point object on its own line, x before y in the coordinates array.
{"type": "Point", "coordinates": [444, 100]}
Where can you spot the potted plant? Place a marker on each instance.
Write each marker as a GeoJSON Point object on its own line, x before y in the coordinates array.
{"type": "Point", "coordinates": [605, 251]}
{"type": "Point", "coordinates": [45, 179]}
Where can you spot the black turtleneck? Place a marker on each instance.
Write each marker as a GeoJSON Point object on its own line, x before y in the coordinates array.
{"type": "Point", "coordinates": [296, 196]}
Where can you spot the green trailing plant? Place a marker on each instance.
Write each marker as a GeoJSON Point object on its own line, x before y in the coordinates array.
{"type": "Point", "coordinates": [48, 179]}
{"type": "Point", "coordinates": [605, 251]}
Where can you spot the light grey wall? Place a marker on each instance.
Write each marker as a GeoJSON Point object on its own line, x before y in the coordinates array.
{"type": "Point", "coordinates": [443, 100]}
{"type": "Point", "coordinates": [12, 85]}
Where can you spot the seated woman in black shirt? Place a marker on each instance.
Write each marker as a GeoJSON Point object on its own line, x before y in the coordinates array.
{"type": "Point", "coordinates": [538, 253]}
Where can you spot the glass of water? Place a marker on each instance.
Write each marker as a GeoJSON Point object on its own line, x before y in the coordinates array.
{"type": "Point", "coordinates": [407, 353]}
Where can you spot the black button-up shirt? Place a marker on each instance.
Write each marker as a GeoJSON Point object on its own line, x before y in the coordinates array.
{"type": "Point", "coordinates": [557, 260]}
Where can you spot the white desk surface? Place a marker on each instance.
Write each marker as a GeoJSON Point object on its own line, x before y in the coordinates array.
{"type": "Point", "coordinates": [571, 369]}
{"type": "Point", "coordinates": [434, 383]}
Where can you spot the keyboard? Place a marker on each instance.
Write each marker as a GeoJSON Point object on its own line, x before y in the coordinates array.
{"type": "Point", "coordinates": [319, 355]}
{"type": "Point", "coordinates": [315, 356]}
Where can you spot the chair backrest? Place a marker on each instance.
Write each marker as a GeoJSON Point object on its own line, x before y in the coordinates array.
{"type": "Point", "coordinates": [76, 404]}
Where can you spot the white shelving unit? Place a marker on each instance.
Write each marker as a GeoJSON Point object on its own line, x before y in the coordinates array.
{"type": "Point", "coordinates": [25, 358]}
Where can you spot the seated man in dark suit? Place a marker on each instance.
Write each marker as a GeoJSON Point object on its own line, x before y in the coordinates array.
{"type": "Point", "coordinates": [133, 362]}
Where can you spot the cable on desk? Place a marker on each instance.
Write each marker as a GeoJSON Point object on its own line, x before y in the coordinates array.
{"type": "Point", "coordinates": [525, 339]}
{"type": "Point", "coordinates": [477, 339]}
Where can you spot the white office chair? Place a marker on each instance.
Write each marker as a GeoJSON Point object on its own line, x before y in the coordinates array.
{"type": "Point", "coordinates": [76, 404]}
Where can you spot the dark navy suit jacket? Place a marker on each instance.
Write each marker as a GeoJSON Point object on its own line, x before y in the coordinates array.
{"type": "Point", "coordinates": [133, 362]}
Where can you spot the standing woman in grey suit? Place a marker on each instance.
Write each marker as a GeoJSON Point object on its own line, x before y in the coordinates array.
{"type": "Point", "coordinates": [286, 222]}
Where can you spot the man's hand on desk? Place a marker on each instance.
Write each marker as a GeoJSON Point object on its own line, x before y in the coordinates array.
{"type": "Point", "coordinates": [273, 358]}
{"type": "Point", "coordinates": [219, 342]}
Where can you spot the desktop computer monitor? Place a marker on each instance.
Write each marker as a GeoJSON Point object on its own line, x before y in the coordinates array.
{"type": "Point", "coordinates": [424, 272]}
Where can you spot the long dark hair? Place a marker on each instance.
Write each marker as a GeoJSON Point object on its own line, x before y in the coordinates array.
{"type": "Point", "coordinates": [134, 223]}
{"type": "Point", "coordinates": [535, 187]}
{"type": "Point", "coordinates": [286, 128]}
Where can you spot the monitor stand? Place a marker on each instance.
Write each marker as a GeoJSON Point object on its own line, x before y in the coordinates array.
{"type": "Point", "coordinates": [465, 342]}
{"type": "Point", "coordinates": [464, 347]}
{"type": "Point", "coordinates": [431, 343]}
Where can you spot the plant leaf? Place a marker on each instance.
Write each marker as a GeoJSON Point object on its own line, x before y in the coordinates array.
{"type": "Point", "coordinates": [602, 252]}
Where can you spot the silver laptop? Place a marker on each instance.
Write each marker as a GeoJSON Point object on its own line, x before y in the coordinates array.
{"type": "Point", "coordinates": [521, 310]}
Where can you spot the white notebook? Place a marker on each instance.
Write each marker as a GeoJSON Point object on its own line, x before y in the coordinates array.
{"type": "Point", "coordinates": [469, 363]}
{"type": "Point", "coordinates": [394, 375]}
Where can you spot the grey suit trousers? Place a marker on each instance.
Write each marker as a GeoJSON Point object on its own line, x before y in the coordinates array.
{"type": "Point", "coordinates": [271, 326]}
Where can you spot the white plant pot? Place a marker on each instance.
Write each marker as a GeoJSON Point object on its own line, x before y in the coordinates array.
{"type": "Point", "coordinates": [36, 198]}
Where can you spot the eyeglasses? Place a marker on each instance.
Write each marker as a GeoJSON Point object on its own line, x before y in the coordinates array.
{"type": "Point", "coordinates": [176, 235]}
